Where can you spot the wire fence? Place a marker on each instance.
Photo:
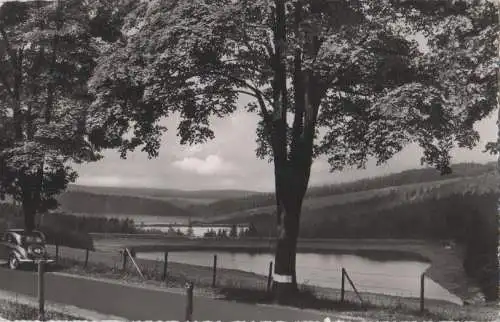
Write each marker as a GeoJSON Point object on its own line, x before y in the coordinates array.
{"type": "Point", "coordinates": [403, 285]}
{"type": "Point", "coordinates": [219, 271]}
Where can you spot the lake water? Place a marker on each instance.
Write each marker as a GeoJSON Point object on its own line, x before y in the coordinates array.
{"type": "Point", "coordinates": [400, 278]}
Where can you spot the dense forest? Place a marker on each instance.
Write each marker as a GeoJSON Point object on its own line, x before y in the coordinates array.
{"type": "Point", "coordinates": [88, 224]}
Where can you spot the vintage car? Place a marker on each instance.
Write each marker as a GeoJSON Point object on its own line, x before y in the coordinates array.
{"type": "Point", "coordinates": [21, 247]}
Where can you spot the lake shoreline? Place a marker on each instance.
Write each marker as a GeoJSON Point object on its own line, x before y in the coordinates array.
{"type": "Point", "coordinates": [249, 286]}
{"type": "Point", "coordinates": [446, 267]}
{"type": "Point", "coordinates": [320, 271]}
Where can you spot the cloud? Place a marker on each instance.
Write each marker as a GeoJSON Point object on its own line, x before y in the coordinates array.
{"type": "Point", "coordinates": [106, 181]}
{"type": "Point", "coordinates": [211, 165]}
{"type": "Point", "coordinates": [192, 150]}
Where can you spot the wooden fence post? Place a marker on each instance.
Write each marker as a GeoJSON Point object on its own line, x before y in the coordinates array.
{"type": "Point", "coordinates": [165, 263]}
{"type": "Point", "coordinates": [422, 292]}
{"type": "Point", "coordinates": [189, 301]}
{"type": "Point", "coordinates": [342, 287]}
{"type": "Point", "coordinates": [214, 271]}
{"type": "Point", "coordinates": [41, 294]}
{"type": "Point", "coordinates": [125, 256]}
{"type": "Point", "coordinates": [57, 252]}
{"type": "Point", "coordinates": [270, 276]}
{"type": "Point", "coordinates": [353, 286]}
{"type": "Point", "coordinates": [86, 258]}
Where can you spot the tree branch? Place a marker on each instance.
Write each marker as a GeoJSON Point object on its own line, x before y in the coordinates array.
{"type": "Point", "coordinates": [298, 84]}
{"type": "Point", "coordinates": [258, 93]}
{"type": "Point", "coordinates": [262, 105]}
{"type": "Point", "coordinates": [50, 88]}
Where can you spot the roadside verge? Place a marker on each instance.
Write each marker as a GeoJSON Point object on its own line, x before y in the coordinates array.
{"type": "Point", "coordinates": [57, 307]}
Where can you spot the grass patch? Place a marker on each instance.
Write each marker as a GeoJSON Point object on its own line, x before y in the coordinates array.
{"type": "Point", "coordinates": [12, 310]}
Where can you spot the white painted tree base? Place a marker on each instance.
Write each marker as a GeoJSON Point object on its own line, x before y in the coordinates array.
{"type": "Point", "coordinates": [282, 278]}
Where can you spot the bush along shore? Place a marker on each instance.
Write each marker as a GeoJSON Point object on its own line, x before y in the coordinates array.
{"type": "Point", "coordinates": [252, 288]}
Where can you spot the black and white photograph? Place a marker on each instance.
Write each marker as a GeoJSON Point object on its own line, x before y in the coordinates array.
{"type": "Point", "coordinates": [249, 160]}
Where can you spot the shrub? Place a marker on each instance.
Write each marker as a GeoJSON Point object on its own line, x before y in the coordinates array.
{"type": "Point", "coordinates": [73, 239]}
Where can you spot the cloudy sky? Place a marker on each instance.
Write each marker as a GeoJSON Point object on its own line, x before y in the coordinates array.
{"type": "Point", "coordinates": [229, 161]}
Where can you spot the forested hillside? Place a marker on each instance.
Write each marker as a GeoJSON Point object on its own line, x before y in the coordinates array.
{"type": "Point", "coordinates": [90, 203]}
{"type": "Point", "coordinates": [393, 180]}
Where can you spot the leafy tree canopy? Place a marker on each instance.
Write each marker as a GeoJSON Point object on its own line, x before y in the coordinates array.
{"type": "Point", "coordinates": [375, 89]}
{"type": "Point", "coordinates": [342, 78]}
{"type": "Point", "coordinates": [48, 50]}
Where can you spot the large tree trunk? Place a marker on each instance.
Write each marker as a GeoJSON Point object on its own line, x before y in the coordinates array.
{"type": "Point", "coordinates": [291, 196]}
{"type": "Point", "coordinates": [29, 211]}
{"type": "Point", "coordinates": [292, 166]}
{"type": "Point", "coordinates": [498, 161]}
{"type": "Point", "coordinates": [30, 200]}
{"type": "Point", "coordinates": [286, 246]}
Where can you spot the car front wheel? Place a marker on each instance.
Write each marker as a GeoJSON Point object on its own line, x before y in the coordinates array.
{"type": "Point", "coordinates": [13, 262]}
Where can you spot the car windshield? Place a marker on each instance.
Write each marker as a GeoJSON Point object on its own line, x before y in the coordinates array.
{"type": "Point", "coordinates": [32, 238]}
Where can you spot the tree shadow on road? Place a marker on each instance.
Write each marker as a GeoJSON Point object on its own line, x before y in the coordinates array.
{"type": "Point", "coordinates": [304, 299]}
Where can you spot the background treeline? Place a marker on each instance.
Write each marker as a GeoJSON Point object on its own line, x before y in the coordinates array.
{"type": "Point", "coordinates": [87, 224]}
{"type": "Point", "coordinates": [10, 217]}
{"type": "Point", "coordinates": [64, 229]}
{"type": "Point", "coordinates": [414, 176]}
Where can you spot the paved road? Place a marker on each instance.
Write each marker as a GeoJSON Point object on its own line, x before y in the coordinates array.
{"type": "Point", "coordinates": [135, 303]}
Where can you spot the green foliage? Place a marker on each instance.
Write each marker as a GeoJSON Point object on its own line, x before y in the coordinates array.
{"type": "Point", "coordinates": [15, 311]}
{"type": "Point", "coordinates": [88, 224]}
{"type": "Point", "coordinates": [69, 238]}
{"type": "Point", "coordinates": [47, 54]}
{"type": "Point", "coordinates": [210, 233]}
{"type": "Point", "coordinates": [222, 233]}
{"type": "Point", "coordinates": [251, 231]}
{"type": "Point", "coordinates": [233, 233]}
{"type": "Point", "coordinates": [374, 90]}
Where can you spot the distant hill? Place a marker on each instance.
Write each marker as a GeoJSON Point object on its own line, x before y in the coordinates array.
{"type": "Point", "coordinates": [415, 176]}
{"type": "Point", "coordinates": [369, 202]}
{"type": "Point", "coordinates": [101, 204]}
{"type": "Point", "coordinates": [179, 198]}
{"type": "Point", "coordinates": [219, 205]}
